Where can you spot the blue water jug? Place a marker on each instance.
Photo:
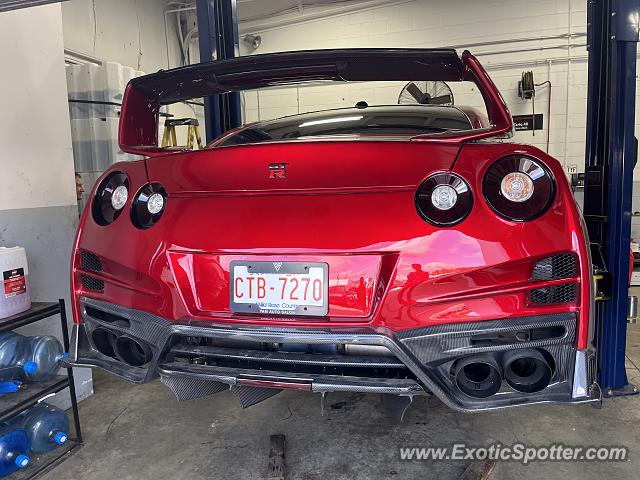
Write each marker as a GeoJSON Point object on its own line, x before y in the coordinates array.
{"type": "Point", "coordinates": [46, 353]}
{"type": "Point", "coordinates": [47, 427]}
{"type": "Point", "coordinates": [14, 363]}
{"type": "Point", "coordinates": [14, 449]}
{"type": "Point", "coordinates": [32, 359]}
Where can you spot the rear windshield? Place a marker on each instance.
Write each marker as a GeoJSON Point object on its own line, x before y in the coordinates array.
{"type": "Point", "coordinates": [397, 120]}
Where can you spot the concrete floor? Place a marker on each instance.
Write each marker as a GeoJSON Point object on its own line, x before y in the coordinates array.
{"type": "Point", "coordinates": [142, 432]}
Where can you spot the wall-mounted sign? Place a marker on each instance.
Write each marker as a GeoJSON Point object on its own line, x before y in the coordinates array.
{"type": "Point", "coordinates": [527, 122]}
{"type": "Point", "coordinates": [577, 180]}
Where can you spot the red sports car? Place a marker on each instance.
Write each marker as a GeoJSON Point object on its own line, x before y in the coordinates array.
{"type": "Point", "coordinates": [405, 250]}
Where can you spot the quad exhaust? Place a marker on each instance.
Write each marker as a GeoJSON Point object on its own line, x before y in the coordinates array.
{"type": "Point", "coordinates": [478, 376]}
{"type": "Point", "coordinates": [526, 370]}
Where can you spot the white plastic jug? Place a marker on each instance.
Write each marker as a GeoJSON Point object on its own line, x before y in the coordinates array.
{"type": "Point", "coordinates": [15, 292]}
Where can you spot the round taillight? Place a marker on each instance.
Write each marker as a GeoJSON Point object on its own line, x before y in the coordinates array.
{"type": "Point", "coordinates": [148, 205]}
{"type": "Point", "coordinates": [444, 199]}
{"type": "Point", "coordinates": [519, 188]}
{"type": "Point", "coordinates": [119, 197]}
{"type": "Point", "coordinates": [110, 198]}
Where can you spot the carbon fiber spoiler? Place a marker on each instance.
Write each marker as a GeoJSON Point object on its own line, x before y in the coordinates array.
{"type": "Point", "coordinates": [144, 95]}
{"type": "Point", "coordinates": [259, 71]}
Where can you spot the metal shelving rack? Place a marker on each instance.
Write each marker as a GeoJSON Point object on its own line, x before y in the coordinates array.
{"type": "Point", "coordinates": [14, 403]}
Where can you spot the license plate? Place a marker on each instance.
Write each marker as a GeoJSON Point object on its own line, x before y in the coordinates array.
{"type": "Point", "coordinates": [280, 288]}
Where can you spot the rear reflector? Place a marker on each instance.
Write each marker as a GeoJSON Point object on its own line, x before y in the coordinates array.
{"type": "Point", "coordinates": [252, 382]}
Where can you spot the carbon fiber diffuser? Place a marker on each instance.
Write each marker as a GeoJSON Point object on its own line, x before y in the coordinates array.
{"type": "Point", "coordinates": [189, 388]}
{"type": "Point", "coordinates": [249, 396]}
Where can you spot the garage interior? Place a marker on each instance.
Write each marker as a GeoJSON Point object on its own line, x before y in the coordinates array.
{"type": "Point", "coordinates": [567, 70]}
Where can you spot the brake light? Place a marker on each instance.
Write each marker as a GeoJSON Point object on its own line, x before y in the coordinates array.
{"type": "Point", "coordinates": [444, 199]}
{"type": "Point", "coordinates": [110, 198]}
{"type": "Point", "coordinates": [519, 188]}
{"type": "Point", "coordinates": [148, 205]}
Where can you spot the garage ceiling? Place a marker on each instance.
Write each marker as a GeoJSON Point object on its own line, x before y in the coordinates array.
{"type": "Point", "coordinates": [250, 10]}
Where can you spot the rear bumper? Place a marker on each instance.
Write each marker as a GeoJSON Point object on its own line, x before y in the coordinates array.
{"type": "Point", "coordinates": [418, 362]}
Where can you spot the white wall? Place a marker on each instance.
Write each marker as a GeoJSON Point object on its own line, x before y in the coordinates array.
{"type": "Point", "coordinates": [438, 23]}
{"type": "Point", "coordinates": [130, 32]}
{"type": "Point", "coordinates": [36, 159]}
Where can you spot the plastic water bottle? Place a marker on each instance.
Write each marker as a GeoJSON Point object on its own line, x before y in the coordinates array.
{"type": "Point", "coordinates": [46, 353]}
{"type": "Point", "coordinates": [14, 363]}
{"type": "Point", "coordinates": [47, 427]}
{"type": "Point", "coordinates": [32, 359]}
{"type": "Point", "coordinates": [14, 449]}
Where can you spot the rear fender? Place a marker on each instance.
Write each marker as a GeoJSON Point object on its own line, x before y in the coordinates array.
{"type": "Point", "coordinates": [561, 227]}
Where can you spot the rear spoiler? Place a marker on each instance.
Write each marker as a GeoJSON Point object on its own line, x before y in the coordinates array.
{"type": "Point", "coordinates": [143, 97]}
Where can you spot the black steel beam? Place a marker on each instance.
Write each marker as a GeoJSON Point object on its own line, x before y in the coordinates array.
{"type": "Point", "coordinates": [218, 40]}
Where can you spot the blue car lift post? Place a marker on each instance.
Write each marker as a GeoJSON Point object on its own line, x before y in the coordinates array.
{"type": "Point", "coordinates": [612, 37]}
{"type": "Point", "coordinates": [218, 39]}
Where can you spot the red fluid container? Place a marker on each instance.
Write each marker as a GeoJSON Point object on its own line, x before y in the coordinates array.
{"type": "Point", "coordinates": [15, 292]}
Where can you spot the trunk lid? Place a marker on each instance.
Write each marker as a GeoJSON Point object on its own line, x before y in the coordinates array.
{"type": "Point", "coordinates": [303, 167]}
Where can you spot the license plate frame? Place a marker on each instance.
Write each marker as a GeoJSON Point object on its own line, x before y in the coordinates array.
{"type": "Point", "coordinates": [279, 268]}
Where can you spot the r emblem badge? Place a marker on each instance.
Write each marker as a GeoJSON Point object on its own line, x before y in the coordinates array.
{"type": "Point", "coordinates": [278, 170]}
{"type": "Point", "coordinates": [277, 266]}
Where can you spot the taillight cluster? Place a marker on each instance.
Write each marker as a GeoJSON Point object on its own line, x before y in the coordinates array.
{"type": "Point", "coordinates": [444, 199]}
{"type": "Point", "coordinates": [517, 187]}
{"type": "Point", "coordinates": [148, 205]}
{"type": "Point", "coordinates": [111, 197]}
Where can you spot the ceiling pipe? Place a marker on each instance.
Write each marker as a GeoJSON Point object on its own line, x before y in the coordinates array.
{"type": "Point", "coordinates": [71, 56]}
{"type": "Point", "coordinates": [560, 36]}
{"type": "Point", "coordinates": [255, 27]}
{"type": "Point", "coordinates": [7, 5]}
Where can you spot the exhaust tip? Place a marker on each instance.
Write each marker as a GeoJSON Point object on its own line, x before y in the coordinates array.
{"type": "Point", "coordinates": [478, 376]}
{"type": "Point", "coordinates": [132, 352]}
{"type": "Point", "coordinates": [103, 340]}
{"type": "Point", "coordinates": [526, 370]}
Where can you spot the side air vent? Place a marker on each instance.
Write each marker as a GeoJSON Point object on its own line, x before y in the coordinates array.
{"type": "Point", "coordinates": [91, 283]}
{"type": "Point", "coordinates": [107, 317]}
{"type": "Point", "coordinates": [90, 262]}
{"type": "Point", "coordinates": [553, 268]}
{"type": "Point", "coordinates": [555, 294]}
